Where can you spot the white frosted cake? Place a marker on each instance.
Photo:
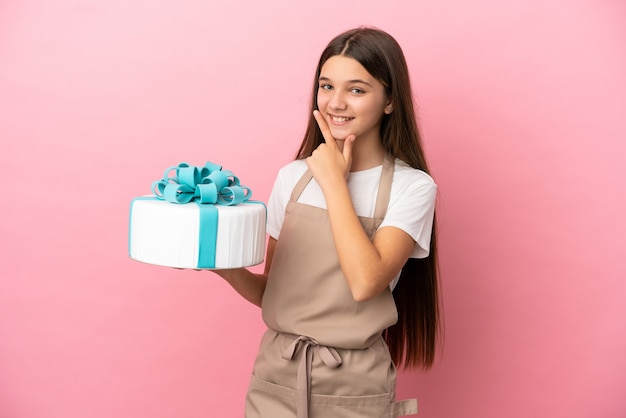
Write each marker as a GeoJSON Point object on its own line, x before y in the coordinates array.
{"type": "Point", "coordinates": [196, 235]}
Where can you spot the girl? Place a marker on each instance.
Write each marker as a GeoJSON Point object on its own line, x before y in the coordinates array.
{"type": "Point", "coordinates": [350, 220]}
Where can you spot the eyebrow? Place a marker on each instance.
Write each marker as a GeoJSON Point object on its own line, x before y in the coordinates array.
{"type": "Point", "coordinates": [357, 80]}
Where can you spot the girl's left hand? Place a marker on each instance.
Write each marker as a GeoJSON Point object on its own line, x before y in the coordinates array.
{"type": "Point", "coordinates": [328, 163]}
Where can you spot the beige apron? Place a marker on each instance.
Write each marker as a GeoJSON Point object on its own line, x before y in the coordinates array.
{"type": "Point", "coordinates": [323, 355]}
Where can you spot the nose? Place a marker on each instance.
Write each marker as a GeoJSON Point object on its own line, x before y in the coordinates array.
{"type": "Point", "coordinates": [337, 101]}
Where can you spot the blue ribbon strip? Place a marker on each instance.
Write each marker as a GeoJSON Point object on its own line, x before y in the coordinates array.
{"type": "Point", "coordinates": [208, 185]}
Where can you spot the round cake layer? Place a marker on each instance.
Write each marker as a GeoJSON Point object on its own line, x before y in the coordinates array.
{"type": "Point", "coordinates": [197, 236]}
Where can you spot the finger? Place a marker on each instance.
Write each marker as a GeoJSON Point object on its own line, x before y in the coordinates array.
{"type": "Point", "coordinates": [347, 148]}
{"type": "Point", "coordinates": [321, 122]}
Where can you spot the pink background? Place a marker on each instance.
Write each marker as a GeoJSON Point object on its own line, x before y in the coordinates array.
{"type": "Point", "coordinates": [522, 105]}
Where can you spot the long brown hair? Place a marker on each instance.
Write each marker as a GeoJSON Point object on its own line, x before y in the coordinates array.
{"type": "Point", "coordinates": [413, 339]}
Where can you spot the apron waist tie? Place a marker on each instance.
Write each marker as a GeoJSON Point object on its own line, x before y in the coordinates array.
{"type": "Point", "coordinates": [329, 356]}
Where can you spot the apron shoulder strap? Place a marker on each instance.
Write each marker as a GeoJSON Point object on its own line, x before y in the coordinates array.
{"type": "Point", "coordinates": [301, 184]}
{"type": "Point", "coordinates": [384, 189]}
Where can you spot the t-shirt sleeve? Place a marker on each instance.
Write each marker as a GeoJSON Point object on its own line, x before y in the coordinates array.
{"type": "Point", "coordinates": [412, 209]}
{"type": "Point", "coordinates": [285, 181]}
{"type": "Point", "coordinates": [276, 207]}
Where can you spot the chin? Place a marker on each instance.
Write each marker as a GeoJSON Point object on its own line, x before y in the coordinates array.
{"type": "Point", "coordinates": [339, 136]}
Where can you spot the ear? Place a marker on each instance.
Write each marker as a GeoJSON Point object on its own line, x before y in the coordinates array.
{"type": "Point", "coordinates": [389, 108]}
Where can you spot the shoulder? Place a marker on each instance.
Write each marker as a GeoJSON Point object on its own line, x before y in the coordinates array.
{"type": "Point", "coordinates": [286, 179]}
{"type": "Point", "coordinates": [288, 176]}
{"type": "Point", "coordinates": [409, 179]}
{"type": "Point", "coordinates": [292, 169]}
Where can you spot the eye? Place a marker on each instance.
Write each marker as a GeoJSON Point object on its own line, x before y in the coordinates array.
{"type": "Point", "coordinates": [357, 90]}
{"type": "Point", "coordinates": [326, 87]}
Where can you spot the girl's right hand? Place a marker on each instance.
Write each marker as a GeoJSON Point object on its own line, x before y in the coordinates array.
{"type": "Point", "coordinates": [329, 163]}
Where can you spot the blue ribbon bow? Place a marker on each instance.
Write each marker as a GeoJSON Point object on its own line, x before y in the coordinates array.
{"type": "Point", "coordinates": [208, 184]}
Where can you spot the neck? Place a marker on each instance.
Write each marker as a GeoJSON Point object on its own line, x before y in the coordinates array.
{"type": "Point", "coordinates": [366, 155]}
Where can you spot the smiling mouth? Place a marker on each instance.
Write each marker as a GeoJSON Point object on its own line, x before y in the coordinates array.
{"type": "Point", "coordinates": [340, 119]}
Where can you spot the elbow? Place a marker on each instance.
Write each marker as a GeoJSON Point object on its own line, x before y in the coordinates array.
{"type": "Point", "coordinates": [365, 285]}
{"type": "Point", "coordinates": [361, 296]}
{"type": "Point", "coordinates": [364, 292]}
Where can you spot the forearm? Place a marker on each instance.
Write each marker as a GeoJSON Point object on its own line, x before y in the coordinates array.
{"type": "Point", "coordinates": [249, 285]}
{"type": "Point", "coordinates": [360, 260]}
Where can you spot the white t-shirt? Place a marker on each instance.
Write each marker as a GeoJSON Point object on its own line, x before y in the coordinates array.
{"type": "Point", "coordinates": [411, 203]}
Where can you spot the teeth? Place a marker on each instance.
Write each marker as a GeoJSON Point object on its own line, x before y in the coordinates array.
{"type": "Point", "coordinates": [338, 119]}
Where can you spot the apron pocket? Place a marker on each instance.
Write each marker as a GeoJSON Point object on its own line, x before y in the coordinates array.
{"type": "Point", "coordinates": [267, 399]}
{"type": "Point", "coordinates": [375, 406]}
